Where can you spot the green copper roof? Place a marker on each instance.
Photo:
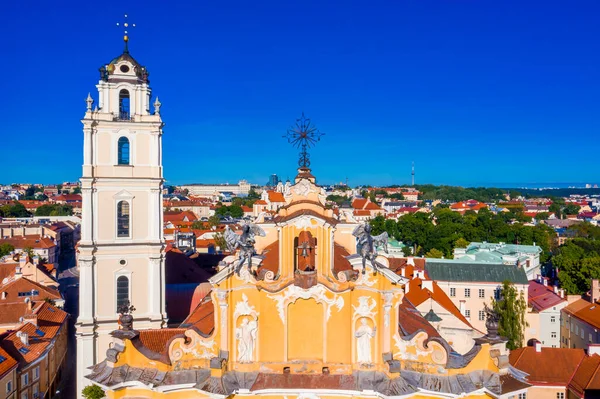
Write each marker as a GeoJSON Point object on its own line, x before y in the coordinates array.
{"type": "Point", "coordinates": [459, 270]}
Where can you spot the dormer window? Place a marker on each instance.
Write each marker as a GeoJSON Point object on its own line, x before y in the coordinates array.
{"type": "Point", "coordinates": [124, 104]}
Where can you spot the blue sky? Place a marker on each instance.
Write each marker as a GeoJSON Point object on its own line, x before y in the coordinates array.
{"type": "Point", "coordinates": [475, 92]}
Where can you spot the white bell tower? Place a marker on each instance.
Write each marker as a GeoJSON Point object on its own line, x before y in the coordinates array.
{"type": "Point", "coordinates": [121, 254]}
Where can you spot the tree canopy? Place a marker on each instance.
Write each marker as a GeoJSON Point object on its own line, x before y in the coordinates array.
{"type": "Point", "coordinates": [511, 308]}
{"type": "Point", "coordinates": [14, 210]}
{"type": "Point", "coordinates": [54, 210]}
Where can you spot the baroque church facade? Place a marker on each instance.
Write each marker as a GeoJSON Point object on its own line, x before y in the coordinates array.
{"type": "Point", "coordinates": [121, 252]}
{"type": "Point", "coordinates": [300, 320]}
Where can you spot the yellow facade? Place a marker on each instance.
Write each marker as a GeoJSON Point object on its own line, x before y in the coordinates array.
{"type": "Point", "coordinates": [297, 324]}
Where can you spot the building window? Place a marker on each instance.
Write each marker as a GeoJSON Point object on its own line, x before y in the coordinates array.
{"type": "Point", "coordinates": [560, 395]}
{"type": "Point", "coordinates": [25, 379]}
{"type": "Point", "coordinates": [24, 395]}
{"type": "Point", "coordinates": [582, 334]}
{"type": "Point", "coordinates": [123, 151]}
{"type": "Point", "coordinates": [481, 315]}
{"type": "Point", "coordinates": [123, 219]}
{"type": "Point", "coordinates": [122, 291]}
{"type": "Point", "coordinates": [467, 313]}
{"type": "Point", "coordinates": [576, 329]}
{"type": "Point", "coordinates": [497, 294]}
{"type": "Point", "coordinates": [9, 387]}
{"type": "Point", "coordinates": [467, 293]}
{"type": "Point", "coordinates": [36, 391]}
{"type": "Point", "coordinates": [124, 105]}
{"type": "Point", "coordinates": [552, 319]}
{"type": "Point", "coordinates": [553, 335]}
{"type": "Point", "coordinates": [36, 373]}
{"type": "Point", "coordinates": [481, 293]}
{"type": "Point", "coordinates": [452, 291]}
{"type": "Point", "coordinates": [523, 395]}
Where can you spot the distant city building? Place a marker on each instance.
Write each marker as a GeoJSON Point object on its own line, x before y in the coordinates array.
{"type": "Point", "coordinates": [273, 180]}
{"type": "Point", "coordinates": [527, 256]}
{"type": "Point", "coordinates": [242, 188]}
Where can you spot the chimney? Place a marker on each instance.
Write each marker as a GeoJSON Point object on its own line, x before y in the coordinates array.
{"type": "Point", "coordinates": [29, 303]}
{"type": "Point", "coordinates": [403, 272]}
{"type": "Point", "coordinates": [31, 318]}
{"type": "Point", "coordinates": [556, 289]}
{"type": "Point", "coordinates": [538, 346]}
{"type": "Point", "coordinates": [410, 261]}
{"type": "Point", "coordinates": [428, 284]}
{"type": "Point", "coordinates": [562, 293]}
{"type": "Point", "coordinates": [18, 272]}
{"type": "Point", "coordinates": [24, 339]}
{"type": "Point", "coordinates": [4, 295]}
{"type": "Point", "coordinates": [539, 278]}
{"type": "Point", "coordinates": [406, 288]}
{"type": "Point", "coordinates": [595, 291]}
{"type": "Point", "coordinates": [593, 349]}
{"type": "Point", "coordinates": [545, 282]}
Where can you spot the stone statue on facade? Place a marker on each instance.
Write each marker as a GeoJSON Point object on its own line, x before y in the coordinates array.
{"type": "Point", "coordinates": [245, 242]}
{"type": "Point", "coordinates": [492, 322]}
{"type": "Point", "coordinates": [363, 335]}
{"type": "Point", "coordinates": [367, 244]}
{"type": "Point", "coordinates": [246, 336]}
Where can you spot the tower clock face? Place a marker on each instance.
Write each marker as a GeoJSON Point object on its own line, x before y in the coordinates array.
{"type": "Point", "coordinates": [124, 68]}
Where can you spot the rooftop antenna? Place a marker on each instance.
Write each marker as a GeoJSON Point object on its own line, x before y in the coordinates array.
{"type": "Point", "coordinates": [413, 174]}
{"type": "Point", "coordinates": [126, 26]}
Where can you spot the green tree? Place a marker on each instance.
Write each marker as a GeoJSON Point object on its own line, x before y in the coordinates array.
{"type": "Point", "coordinates": [93, 392]}
{"type": "Point", "coordinates": [54, 210]}
{"type": "Point", "coordinates": [29, 252]}
{"type": "Point", "coordinates": [407, 250]}
{"type": "Point", "coordinates": [220, 241]}
{"type": "Point", "coordinates": [542, 216]}
{"type": "Point", "coordinates": [511, 308]}
{"type": "Point", "coordinates": [5, 249]}
{"type": "Point", "coordinates": [14, 210]}
{"type": "Point", "coordinates": [253, 195]}
{"type": "Point", "coordinates": [77, 190]}
{"type": "Point", "coordinates": [571, 209]}
{"type": "Point", "coordinates": [377, 225]}
{"type": "Point", "coordinates": [214, 221]}
{"type": "Point", "coordinates": [578, 261]}
{"type": "Point", "coordinates": [198, 225]}
{"type": "Point", "coordinates": [461, 243]}
{"type": "Point", "coordinates": [434, 253]}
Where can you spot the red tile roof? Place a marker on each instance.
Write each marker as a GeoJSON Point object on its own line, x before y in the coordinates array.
{"type": "Point", "coordinates": [32, 241]}
{"type": "Point", "coordinates": [157, 340]}
{"type": "Point", "coordinates": [584, 310]}
{"type": "Point", "coordinates": [7, 364]}
{"type": "Point", "coordinates": [587, 376]}
{"type": "Point", "coordinates": [551, 366]}
{"type": "Point", "coordinates": [275, 196]}
{"type": "Point", "coordinates": [542, 297]}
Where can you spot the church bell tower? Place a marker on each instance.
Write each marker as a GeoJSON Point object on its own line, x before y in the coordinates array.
{"type": "Point", "coordinates": [121, 253]}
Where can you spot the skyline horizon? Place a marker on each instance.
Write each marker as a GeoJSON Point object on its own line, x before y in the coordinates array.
{"type": "Point", "coordinates": [446, 85]}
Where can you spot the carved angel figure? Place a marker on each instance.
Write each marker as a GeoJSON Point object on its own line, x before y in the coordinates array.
{"type": "Point", "coordinates": [245, 242]}
{"type": "Point", "coordinates": [367, 244]}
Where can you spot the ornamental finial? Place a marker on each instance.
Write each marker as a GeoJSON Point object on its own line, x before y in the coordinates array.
{"type": "Point", "coordinates": [303, 134]}
{"type": "Point", "coordinates": [157, 105]}
{"type": "Point", "coordinates": [126, 26]}
{"type": "Point", "coordinates": [90, 101]}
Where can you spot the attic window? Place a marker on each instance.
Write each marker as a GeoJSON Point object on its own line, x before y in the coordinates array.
{"type": "Point", "coordinates": [24, 350]}
{"type": "Point", "coordinates": [2, 358]}
{"type": "Point", "coordinates": [40, 332]}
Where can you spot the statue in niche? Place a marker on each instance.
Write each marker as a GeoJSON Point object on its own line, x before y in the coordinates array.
{"type": "Point", "coordinates": [367, 244]}
{"type": "Point", "coordinates": [363, 335]}
{"type": "Point", "coordinates": [246, 336]}
{"type": "Point", "coordinates": [244, 242]}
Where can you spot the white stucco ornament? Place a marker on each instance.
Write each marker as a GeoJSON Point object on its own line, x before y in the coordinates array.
{"type": "Point", "coordinates": [303, 188]}
{"type": "Point", "coordinates": [317, 292]}
{"type": "Point", "coordinates": [198, 346]}
{"type": "Point", "coordinates": [366, 306]}
{"type": "Point", "coordinates": [243, 308]}
{"type": "Point", "coordinates": [246, 336]}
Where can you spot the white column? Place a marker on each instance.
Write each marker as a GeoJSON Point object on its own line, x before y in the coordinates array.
{"type": "Point", "coordinates": [154, 292]}
{"type": "Point", "coordinates": [85, 359]}
{"type": "Point", "coordinates": [387, 331]}
{"type": "Point", "coordinates": [86, 215]}
{"type": "Point", "coordinates": [223, 305]}
{"type": "Point", "coordinates": [86, 289]}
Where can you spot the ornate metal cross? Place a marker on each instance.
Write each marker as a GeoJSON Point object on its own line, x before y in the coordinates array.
{"type": "Point", "coordinates": [303, 134]}
{"type": "Point", "coordinates": [125, 26]}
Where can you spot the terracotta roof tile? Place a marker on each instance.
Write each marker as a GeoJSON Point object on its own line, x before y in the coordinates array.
{"type": "Point", "coordinates": [275, 196]}
{"type": "Point", "coordinates": [584, 310]}
{"type": "Point", "coordinates": [157, 340]}
{"type": "Point", "coordinates": [202, 318]}
{"type": "Point", "coordinates": [586, 376]}
{"type": "Point", "coordinates": [542, 297]}
{"type": "Point", "coordinates": [35, 242]}
{"type": "Point", "coordinates": [23, 284]}
{"type": "Point", "coordinates": [271, 260]}
{"type": "Point", "coordinates": [542, 366]}
{"type": "Point", "coordinates": [7, 364]}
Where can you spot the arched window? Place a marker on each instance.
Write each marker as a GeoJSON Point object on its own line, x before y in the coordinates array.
{"type": "Point", "coordinates": [122, 291]}
{"type": "Point", "coordinates": [123, 219]}
{"type": "Point", "coordinates": [124, 105]}
{"type": "Point", "coordinates": [123, 151]}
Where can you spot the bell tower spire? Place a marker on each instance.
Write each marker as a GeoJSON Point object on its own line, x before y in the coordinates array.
{"type": "Point", "coordinates": [121, 253]}
{"type": "Point", "coordinates": [126, 26]}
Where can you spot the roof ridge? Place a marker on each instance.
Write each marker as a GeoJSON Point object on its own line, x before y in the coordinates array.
{"type": "Point", "coordinates": [592, 376]}
{"type": "Point", "coordinates": [575, 370]}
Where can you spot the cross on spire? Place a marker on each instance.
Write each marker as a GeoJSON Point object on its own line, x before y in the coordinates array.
{"type": "Point", "coordinates": [126, 25]}
{"type": "Point", "coordinates": [304, 135]}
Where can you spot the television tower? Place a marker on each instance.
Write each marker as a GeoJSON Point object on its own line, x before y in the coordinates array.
{"type": "Point", "coordinates": [413, 174]}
